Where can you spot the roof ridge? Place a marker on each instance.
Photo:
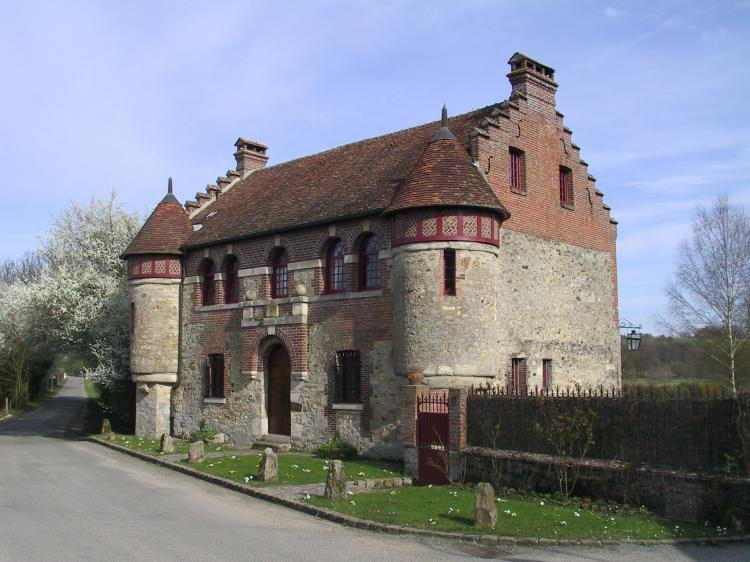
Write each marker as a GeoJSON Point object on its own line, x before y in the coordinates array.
{"type": "Point", "coordinates": [378, 137]}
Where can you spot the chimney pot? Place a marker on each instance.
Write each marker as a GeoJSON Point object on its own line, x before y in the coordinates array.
{"type": "Point", "coordinates": [250, 156]}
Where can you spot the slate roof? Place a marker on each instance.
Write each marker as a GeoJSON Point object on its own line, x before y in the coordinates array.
{"type": "Point", "coordinates": [352, 180]}
{"type": "Point", "coordinates": [164, 232]}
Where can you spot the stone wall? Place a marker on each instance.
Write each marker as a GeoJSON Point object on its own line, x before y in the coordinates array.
{"type": "Point", "coordinates": [679, 495]}
{"type": "Point", "coordinates": [450, 338]}
{"type": "Point", "coordinates": [154, 342]}
{"type": "Point", "coordinates": [556, 301]}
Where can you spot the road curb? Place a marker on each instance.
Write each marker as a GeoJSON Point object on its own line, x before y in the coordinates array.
{"type": "Point", "coordinates": [366, 524]}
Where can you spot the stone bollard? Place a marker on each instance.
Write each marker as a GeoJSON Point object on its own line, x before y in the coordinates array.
{"type": "Point", "coordinates": [218, 439]}
{"type": "Point", "coordinates": [269, 466]}
{"type": "Point", "coordinates": [336, 481]}
{"type": "Point", "coordinates": [167, 443]}
{"type": "Point", "coordinates": [196, 452]}
{"type": "Point", "coordinates": [485, 510]}
{"type": "Point", "coordinates": [109, 435]}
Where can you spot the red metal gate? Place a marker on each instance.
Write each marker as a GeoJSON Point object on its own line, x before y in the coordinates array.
{"type": "Point", "coordinates": [432, 438]}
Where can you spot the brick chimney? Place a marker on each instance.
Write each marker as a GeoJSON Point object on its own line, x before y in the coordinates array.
{"type": "Point", "coordinates": [250, 156]}
{"type": "Point", "coordinates": [532, 79]}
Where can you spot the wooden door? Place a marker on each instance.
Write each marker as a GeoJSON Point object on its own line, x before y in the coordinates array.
{"type": "Point", "coordinates": [279, 387]}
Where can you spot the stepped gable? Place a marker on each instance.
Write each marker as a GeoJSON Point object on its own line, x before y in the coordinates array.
{"type": "Point", "coordinates": [445, 176]}
{"type": "Point", "coordinates": [165, 230]}
{"type": "Point", "coordinates": [353, 180]}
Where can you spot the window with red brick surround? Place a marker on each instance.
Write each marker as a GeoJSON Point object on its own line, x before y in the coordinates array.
{"type": "Point", "coordinates": [215, 376]}
{"type": "Point", "coordinates": [280, 274]}
{"type": "Point", "coordinates": [516, 170]}
{"type": "Point", "coordinates": [369, 265]}
{"type": "Point", "coordinates": [231, 279]}
{"type": "Point", "coordinates": [335, 281]}
{"type": "Point", "coordinates": [347, 377]}
{"type": "Point", "coordinates": [546, 374]}
{"type": "Point", "coordinates": [449, 272]}
{"type": "Point", "coordinates": [518, 374]}
{"type": "Point", "coordinates": [208, 286]}
{"type": "Point", "coordinates": [566, 187]}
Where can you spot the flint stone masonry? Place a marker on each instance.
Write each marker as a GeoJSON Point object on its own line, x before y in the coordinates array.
{"type": "Point", "coordinates": [485, 510]}
{"type": "Point", "coordinates": [196, 452]}
{"type": "Point", "coordinates": [269, 466]}
{"type": "Point", "coordinates": [336, 481]}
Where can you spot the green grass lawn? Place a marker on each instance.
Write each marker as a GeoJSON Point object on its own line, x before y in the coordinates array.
{"type": "Point", "coordinates": [293, 469]}
{"type": "Point", "coordinates": [448, 508]}
{"type": "Point", "coordinates": [151, 446]}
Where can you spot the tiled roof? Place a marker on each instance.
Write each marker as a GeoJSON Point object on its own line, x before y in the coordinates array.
{"type": "Point", "coordinates": [164, 232]}
{"type": "Point", "coordinates": [352, 180]}
{"type": "Point", "coordinates": [445, 176]}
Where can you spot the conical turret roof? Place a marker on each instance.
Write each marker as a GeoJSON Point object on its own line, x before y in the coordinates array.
{"type": "Point", "coordinates": [445, 176]}
{"type": "Point", "coordinates": [165, 230]}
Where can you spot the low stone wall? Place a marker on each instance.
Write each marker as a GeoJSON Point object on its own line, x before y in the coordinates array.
{"type": "Point", "coordinates": [679, 495]}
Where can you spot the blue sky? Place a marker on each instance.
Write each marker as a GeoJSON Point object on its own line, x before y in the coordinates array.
{"type": "Point", "coordinates": [103, 94]}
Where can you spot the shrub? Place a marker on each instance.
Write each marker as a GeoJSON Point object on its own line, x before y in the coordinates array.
{"type": "Point", "coordinates": [336, 449]}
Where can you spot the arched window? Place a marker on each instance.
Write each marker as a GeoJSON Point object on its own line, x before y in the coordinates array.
{"type": "Point", "coordinates": [280, 274]}
{"type": "Point", "coordinates": [369, 269]}
{"type": "Point", "coordinates": [231, 279]}
{"type": "Point", "coordinates": [335, 267]}
{"type": "Point", "coordinates": [207, 283]}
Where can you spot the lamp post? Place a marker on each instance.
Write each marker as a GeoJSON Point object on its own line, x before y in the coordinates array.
{"type": "Point", "coordinates": [633, 338]}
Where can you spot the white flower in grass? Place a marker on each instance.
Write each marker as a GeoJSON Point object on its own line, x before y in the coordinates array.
{"type": "Point", "coordinates": [353, 502]}
{"type": "Point", "coordinates": [563, 523]}
{"type": "Point", "coordinates": [211, 464]}
{"type": "Point", "coordinates": [541, 503]}
{"type": "Point", "coordinates": [234, 457]}
{"type": "Point", "coordinates": [429, 485]}
{"type": "Point", "coordinates": [231, 472]}
{"type": "Point", "coordinates": [246, 479]}
{"type": "Point", "coordinates": [350, 492]}
{"type": "Point", "coordinates": [513, 514]}
{"type": "Point", "coordinates": [361, 474]}
{"type": "Point", "coordinates": [393, 492]}
{"type": "Point", "coordinates": [507, 511]}
{"type": "Point", "coordinates": [576, 514]}
{"type": "Point", "coordinates": [307, 496]}
{"type": "Point", "coordinates": [305, 470]}
{"type": "Point", "coordinates": [295, 466]}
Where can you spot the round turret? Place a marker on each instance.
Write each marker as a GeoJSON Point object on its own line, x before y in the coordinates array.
{"type": "Point", "coordinates": [446, 234]}
{"type": "Point", "coordinates": [154, 279]}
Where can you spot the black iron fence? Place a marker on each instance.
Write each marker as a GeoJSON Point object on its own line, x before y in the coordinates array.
{"type": "Point", "coordinates": [687, 427]}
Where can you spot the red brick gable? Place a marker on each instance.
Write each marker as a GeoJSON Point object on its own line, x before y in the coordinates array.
{"type": "Point", "coordinates": [445, 176]}
{"type": "Point", "coordinates": [164, 232]}
{"type": "Point", "coordinates": [352, 180]}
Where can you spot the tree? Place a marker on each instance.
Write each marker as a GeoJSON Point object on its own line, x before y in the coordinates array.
{"type": "Point", "coordinates": [710, 293]}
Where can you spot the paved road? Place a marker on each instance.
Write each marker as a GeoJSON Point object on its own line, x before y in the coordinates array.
{"type": "Point", "coordinates": [62, 499]}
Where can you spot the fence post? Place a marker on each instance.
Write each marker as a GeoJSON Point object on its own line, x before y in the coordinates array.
{"type": "Point", "coordinates": [410, 393]}
{"type": "Point", "coordinates": [457, 401]}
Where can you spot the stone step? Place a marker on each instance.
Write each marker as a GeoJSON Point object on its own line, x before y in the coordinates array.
{"type": "Point", "coordinates": [279, 443]}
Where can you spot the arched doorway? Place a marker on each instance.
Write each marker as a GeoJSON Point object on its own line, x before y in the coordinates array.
{"type": "Point", "coordinates": [279, 371]}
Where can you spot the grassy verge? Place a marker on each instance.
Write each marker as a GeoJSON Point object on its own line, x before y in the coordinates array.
{"type": "Point", "coordinates": [151, 446]}
{"type": "Point", "coordinates": [92, 390]}
{"type": "Point", "coordinates": [293, 469]}
{"type": "Point", "coordinates": [38, 401]}
{"type": "Point", "coordinates": [448, 508]}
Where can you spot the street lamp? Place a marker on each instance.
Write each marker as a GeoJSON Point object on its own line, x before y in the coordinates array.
{"type": "Point", "coordinates": [633, 338]}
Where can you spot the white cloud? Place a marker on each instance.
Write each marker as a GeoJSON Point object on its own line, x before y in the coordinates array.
{"type": "Point", "coordinates": [611, 12]}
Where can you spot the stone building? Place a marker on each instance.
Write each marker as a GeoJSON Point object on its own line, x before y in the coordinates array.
{"type": "Point", "coordinates": [291, 301]}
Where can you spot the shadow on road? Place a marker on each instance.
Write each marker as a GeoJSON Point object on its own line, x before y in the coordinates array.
{"type": "Point", "coordinates": [62, 417]}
